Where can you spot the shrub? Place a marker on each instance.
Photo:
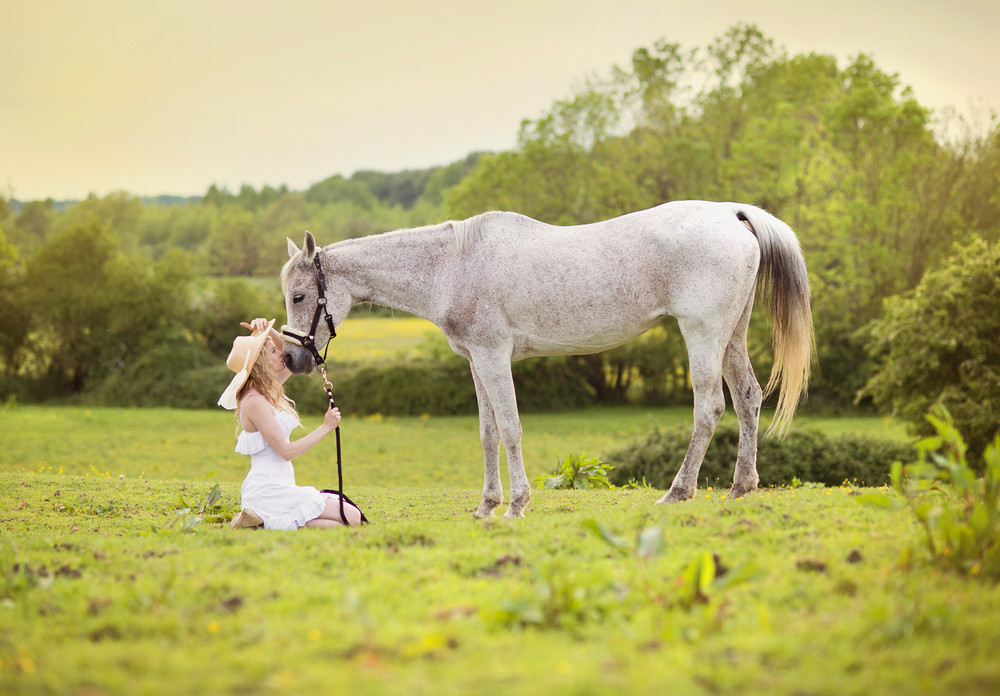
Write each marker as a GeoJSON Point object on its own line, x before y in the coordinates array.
{"type": "Point", "coordinates": [440, 388]}
{"type": "Point", "coordinates": [178, 374]}
{"type": "Point", "coordinates": [406, 389]}
{"type": "Point", "coordinates": [806, 455]}
{"type": "Point", "coordinates": [938, 344]}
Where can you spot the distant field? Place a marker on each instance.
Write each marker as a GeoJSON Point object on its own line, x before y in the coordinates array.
{"type": "Point", "coordinates": [360, 339]}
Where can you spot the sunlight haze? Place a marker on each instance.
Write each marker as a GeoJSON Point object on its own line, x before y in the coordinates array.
{"type": "Point", "coordinates": [170, 97]}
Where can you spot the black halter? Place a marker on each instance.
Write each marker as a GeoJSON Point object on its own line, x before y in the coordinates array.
{"type": "Point", "coordinates": [308, 340]}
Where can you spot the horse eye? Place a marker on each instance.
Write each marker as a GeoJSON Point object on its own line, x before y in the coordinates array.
{"type": "Point", "coordinates": [297, 298]}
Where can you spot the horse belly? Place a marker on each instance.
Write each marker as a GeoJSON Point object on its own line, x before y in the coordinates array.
{"type": "Point", "coordinates": [568, 324]}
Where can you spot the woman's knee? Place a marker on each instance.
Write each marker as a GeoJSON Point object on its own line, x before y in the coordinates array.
{"type": "Point", "coordinates": [351, 512]}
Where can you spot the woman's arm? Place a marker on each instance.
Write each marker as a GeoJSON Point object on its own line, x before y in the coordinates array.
{"type": "Point", "coordinates": [258, 413]}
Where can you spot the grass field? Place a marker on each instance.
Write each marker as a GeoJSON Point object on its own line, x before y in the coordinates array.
{"type": "Point", "coordinates": [111, 584]}
{"type": "Point", "coordinates": [167, 443]}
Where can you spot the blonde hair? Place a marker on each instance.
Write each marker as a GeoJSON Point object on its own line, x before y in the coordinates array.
{"type": "Point", "coordinates": [262, 379]}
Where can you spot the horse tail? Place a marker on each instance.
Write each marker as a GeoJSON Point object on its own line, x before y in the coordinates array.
{"type": "Point", "coordinates": [783, 283]}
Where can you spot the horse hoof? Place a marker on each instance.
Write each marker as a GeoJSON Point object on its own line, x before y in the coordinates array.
{"type": "Point", "coordinates": [481, 514]}
{"type": "Point", "coordinates": [514, 513]}
{"type": "Point", "coordinates": [740, 491]}
{"type": "Point", "coordinates": [673, 496]}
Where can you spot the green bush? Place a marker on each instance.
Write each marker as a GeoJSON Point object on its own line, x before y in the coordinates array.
{"type": "Point", "coordinates": [406, 389]}
{"type": "Point", "coordinates": [178, 374]}
{"type": "Point", "coordinates": [938, 345]}
{"type": "Point", "coordinates": [806, 455]}
{"type": "Point", "coordinates": [440, 388]}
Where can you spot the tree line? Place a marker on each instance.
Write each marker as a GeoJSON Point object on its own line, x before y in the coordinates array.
{"type": "Point", "coordinates": [879, 189]}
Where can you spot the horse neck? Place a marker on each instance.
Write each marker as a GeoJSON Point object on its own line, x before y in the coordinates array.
{"type": "Point", "coordinates": [395, 269]}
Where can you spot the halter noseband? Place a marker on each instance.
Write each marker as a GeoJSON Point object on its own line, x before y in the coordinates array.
{"type": "Point", "coordinates": [308, 340]}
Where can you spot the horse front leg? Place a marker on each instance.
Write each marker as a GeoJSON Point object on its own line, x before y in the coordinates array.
{"type": "Point", "coordinates": [492, 370]}
{"type": "Point", "coordinates": [489, 435]}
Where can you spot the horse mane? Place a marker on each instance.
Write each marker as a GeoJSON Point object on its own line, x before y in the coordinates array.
{"type": "Point", "coordinates": [286, 271]}
{"type": "Point", "coordinates": [467, 230]}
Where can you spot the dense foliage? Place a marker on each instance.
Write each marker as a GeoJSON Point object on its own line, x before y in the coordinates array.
{"type": "Point", "coordinates": [805, 455]}
{"type": "Point", "coordinates": [878, 188]}
{"type": "Point", "coordinates": [938, 344]}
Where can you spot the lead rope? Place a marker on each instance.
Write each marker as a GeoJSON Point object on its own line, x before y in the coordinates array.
{"type": "Point", "coordinates": [340, 469]}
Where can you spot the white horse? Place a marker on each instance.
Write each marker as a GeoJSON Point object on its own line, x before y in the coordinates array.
{"type": "Point", "coordinates": [502, 287]}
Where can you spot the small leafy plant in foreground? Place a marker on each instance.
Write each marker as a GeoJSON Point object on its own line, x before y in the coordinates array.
{"type": "Point", "coordinates": [568, 599]}
{"type": "Point", "coordinates": [958, 513]}
{"type": "Point", "coordinates": [577, 472]}
{"type": "Point", "coordinates": [187, 517]}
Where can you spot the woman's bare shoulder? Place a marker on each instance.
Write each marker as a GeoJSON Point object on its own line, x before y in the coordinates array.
{"type": "Point", "coordinates": [256, 409]}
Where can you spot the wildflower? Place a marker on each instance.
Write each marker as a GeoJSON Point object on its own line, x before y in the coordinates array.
{"type": "Point", "coordinates": [213, 626]}
{"type": "Point", "coordinates": [314, 634]}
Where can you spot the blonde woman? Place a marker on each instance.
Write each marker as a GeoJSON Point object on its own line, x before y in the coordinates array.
{"type": "Point", "coordinates": [266, 416]}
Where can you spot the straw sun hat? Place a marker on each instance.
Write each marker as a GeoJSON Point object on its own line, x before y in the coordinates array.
{"type": "Point", "coordinates": [241, 359]}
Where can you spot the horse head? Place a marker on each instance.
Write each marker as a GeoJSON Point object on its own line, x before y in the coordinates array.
{"type": "Point", "coordinates": [314, 306]}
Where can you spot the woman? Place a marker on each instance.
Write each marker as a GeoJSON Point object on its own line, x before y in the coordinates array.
{"type": "Point", "coordinates": [267, 417]}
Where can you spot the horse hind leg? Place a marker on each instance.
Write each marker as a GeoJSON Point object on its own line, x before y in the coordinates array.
{"type": "Point", "coordinates": [746, 393]}
{"type": "Point", "coordinates": [705, 358]}
{"type": "Point", "coordinates": [489, 435]}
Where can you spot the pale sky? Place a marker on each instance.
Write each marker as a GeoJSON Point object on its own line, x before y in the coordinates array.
{"type": "Point", "coordinates": [170, 96]}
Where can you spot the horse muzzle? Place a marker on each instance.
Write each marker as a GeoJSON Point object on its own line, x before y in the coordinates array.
{"type": "Point", "coordinates": [298, 359]}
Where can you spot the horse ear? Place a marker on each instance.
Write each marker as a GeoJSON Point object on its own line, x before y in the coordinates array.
{"type": "Point", "coordinates": [309, 246]}
{"type": "Point", "coordinates": [292, 249]}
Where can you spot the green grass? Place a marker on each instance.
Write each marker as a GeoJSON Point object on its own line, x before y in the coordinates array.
{"type": "Point", "coordinates": [101, 592]}
{"type": "Point", "coordinates": [425, 597]}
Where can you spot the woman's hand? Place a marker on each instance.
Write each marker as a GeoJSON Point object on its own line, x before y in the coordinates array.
{"type": "Point", "coordinates": [332, 418]}
{"type": "Point", "coordinates": [257, 325]}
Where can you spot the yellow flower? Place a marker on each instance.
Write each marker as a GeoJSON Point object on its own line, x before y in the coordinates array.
{"type": "Point", "coordinates": [213, 626]}
{"type": "Point", "coordinates": [27, 665]}
{"type": "Point", "coordinates": [314, 634]}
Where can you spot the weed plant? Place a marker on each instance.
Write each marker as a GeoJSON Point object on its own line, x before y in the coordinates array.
{"type": "Point", "coordinates": [957, 511]}
{"type": "Point", "coordinates": [576, 471]}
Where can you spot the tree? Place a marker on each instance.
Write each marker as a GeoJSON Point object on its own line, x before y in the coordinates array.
{"type": "Point", "coordinates": [938, 344]}
{"type": "Point", "coordinates": [15, 316]}
{"type": "Point", "coordinates": [234, 245]}
{"type": "Point", "coordinates": [93, 308]}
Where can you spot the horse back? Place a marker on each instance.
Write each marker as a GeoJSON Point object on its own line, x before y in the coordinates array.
{"type": "Point", "coordinates": [585, 288]}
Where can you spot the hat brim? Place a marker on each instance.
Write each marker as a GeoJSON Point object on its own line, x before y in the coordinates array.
{"type": "Point", "coordinates": [228, 398]}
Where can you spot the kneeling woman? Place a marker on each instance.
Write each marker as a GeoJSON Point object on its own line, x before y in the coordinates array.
{"type": "Point", "coordinates": [267, 417]}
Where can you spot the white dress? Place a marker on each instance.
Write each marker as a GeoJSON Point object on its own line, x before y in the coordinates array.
{"type": "Point", "coordinates": [269, 489]}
